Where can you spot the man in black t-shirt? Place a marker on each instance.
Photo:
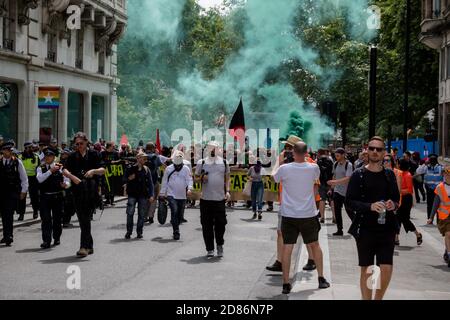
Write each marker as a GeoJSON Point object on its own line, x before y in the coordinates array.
{"type": "Point", "coordinates": [83, 168]}
{"type": "Point", "coordinates": [374, 196]}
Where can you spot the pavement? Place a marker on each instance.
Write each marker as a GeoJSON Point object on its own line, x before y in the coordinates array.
{"type": "Point", "coordinates": [158, 267]}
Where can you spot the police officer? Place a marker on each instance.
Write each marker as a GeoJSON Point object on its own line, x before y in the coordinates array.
{"type": "Point", "coordinates": [31, 162]}
{"type": "Point", "coordinates": [13, 186]}
{"type": "Point", "coordinates": [433, 176]}
{"type": "Point", "coordinates": [52, 183]}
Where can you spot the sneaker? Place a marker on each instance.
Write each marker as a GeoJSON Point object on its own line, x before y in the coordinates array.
{"type": "Point", "coordinates": [323, 283]}
{"type": "Point", "coordinates": [176, 236]}
{"type": "Point", "coordinates": [269, 209]}
{"type": "Point", "coordinates": [128, 236]}
{"type": "Point", "coordinates": [310, 266]}
{"type": "Point", "coordinates": [56, 243]}
{"type": "Point", "coordinates": [45, 245]}
{"type": "Point", "coordinates": [287, 287]}
{"type": "Point", "coordinates": [276, 267]}
{"type": "Point", "coordinates": [254, 216]}
{"type": "Point", "coordinates": [151, 221]}
{"type": "Point", "coordinates": [220, 251]}
{"type": "Point", "coordinates": [210, 254]}
{"type": "Point", "coordinates": [83, 252]}
{"type": "Point", "coordinates": [419, 239]}
{"type": "Point", "coordinates": [338, 233]}
{"type": "Point", "coordinates": [183, 220]}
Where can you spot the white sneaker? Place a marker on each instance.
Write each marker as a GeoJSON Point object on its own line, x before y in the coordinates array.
{"type": "Point", "coordinates": [220, 251]}
{"type": "Point", "coordinates": [210, 254]}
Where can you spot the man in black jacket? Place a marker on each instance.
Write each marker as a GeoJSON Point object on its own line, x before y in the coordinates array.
{"type": "Point", "coordinates": [140, 191]}
{"type": "Point", "coordinates": [374, 196]}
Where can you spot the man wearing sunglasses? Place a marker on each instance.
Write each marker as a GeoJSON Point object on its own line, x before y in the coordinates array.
{"type": "Point", "coordinates": [83, 167]}
{"type": "Point", "coordinates": [373, 195]}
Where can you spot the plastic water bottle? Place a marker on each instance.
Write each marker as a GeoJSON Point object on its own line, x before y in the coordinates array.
{"type": "Point", "coordinates": [382, 216]}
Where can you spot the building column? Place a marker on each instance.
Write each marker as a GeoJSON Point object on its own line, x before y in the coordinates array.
{"type": "Point", "coordinates": [28, 113]}
{"type": "Point", "coordinates": [63, 115]}
{"type": "Point", "coordinates": [87, 114]}
{"type": "Point", "coordinates": [112, 116]}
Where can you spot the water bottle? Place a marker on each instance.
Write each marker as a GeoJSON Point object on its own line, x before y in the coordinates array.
{"type": "Point", "coordinates": [382, 215]}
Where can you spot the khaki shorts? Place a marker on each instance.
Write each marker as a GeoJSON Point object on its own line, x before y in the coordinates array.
{"type": "Point", "coordinates": [444, 226]}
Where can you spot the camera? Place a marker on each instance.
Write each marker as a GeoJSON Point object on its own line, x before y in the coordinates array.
{"type": "Point", "coordinates": [288, 156]}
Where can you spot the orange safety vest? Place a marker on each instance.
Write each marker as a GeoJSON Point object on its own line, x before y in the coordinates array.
{"type": "Point", "coordinates": [444, 207]}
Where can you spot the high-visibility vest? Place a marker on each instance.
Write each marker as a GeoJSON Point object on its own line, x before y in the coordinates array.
{"type": "Point", "coordinates": [433, 176]}
{"type": "Point", "coordinates": [444, 207]}
{"type": "Point", "coordinates": [30, 164]}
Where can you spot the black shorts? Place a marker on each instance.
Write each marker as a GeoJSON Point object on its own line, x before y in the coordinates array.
{"type": "Point", "coordinates": [323, 192]}
{"type": "Point", "coordinates": [377, 244]}
{"type": "Point", "coordinates": [308, 227]}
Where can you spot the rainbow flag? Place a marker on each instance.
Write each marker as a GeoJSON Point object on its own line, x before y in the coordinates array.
{"type": "Point", "coordinates": [48, 97]}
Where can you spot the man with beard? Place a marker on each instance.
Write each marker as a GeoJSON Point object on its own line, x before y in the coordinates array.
{"type": "Point", "coordinates": [374, 196]}
{"type": "Point", "coordinates": [82, 168]}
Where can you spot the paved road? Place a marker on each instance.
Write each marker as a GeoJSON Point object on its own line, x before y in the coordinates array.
{"type": "Point", "coordinates": [160, 268]}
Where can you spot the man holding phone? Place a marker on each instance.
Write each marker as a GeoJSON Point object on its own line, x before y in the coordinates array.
{"type": "Point", "coordinates": [52, 183]}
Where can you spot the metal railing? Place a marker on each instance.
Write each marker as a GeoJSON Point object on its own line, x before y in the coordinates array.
{"type": "Point", "coordinates": [79, 63]}
{"type": "Point", "coordinates": [8, 44]}
{"type": "Point", "coordinates": [51, 56]}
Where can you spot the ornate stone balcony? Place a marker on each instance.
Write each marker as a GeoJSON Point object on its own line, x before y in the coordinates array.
{"type": "Point", "coordinates": [435, 19]}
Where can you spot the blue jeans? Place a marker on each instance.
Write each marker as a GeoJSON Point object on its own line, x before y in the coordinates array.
{"type": "Point", "coordinates": [257, 195]}
{"type": "Point", "coordinates": [176, 212]}
{"type": "Point", "coordinates": [142, 208]}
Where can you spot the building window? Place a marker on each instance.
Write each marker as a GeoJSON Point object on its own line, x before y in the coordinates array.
{"type": "Point", "coordinates": [443, 56]}
{"type": "Point", "coordinates": [48, 124]}
{"type": "Point", "coordinates": [446, 132]}
{"type": "Point", "coordinates": [98, 118]}
{"type": "Point", "coordinates": [9, 25]}
{"type": "Point", "coordinates": [8, 110]}
{"type": "Point", "coordinates": [75, 113]}
{"type": "Point", "coordinates": [79, 49]}
{"type": "Point", "coordinates": [101, 61]}
{"type": "Point", "coordinates": [448, 63]}
{"type": "Point", "coordinates": [52, 43]}
{"type": "Point", "coordinates": [436, 8]}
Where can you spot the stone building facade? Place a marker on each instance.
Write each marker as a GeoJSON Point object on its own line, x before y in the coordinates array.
{"type": "Point", "coordinates": [38, 48]}
{"type": "Point", "coordinates": [435, 33]}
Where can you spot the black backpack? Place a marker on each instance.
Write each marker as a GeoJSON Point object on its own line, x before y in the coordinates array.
{"type": "Point", "coordinates": [152, 164]}
{"type": "Point", "coordinates": [326, 169]}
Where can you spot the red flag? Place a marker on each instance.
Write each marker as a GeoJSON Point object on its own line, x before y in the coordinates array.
{"type": "Point", "coordinates": [237, 125]}
{"type": "Point", "coordinates": [124, 140]}
{"type": "Point", "coordinates": [158, 141]}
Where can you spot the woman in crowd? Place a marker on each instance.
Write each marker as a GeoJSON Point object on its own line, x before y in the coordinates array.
{"type": "Point", "coordinates": [255, 174]}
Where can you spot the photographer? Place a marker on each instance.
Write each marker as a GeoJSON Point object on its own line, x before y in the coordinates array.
{"type": "Point", "coordinates": [82, 168]}
{"type": "Point", "coordinates": [52, 183]}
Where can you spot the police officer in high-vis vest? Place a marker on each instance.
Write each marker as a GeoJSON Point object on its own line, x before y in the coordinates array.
{"type": "Point", "coordinates": [52, 183]}
{"type": "Point", "coordinates": [31, 162]}
{"type": "Point", "coordinates": [13, 186]}
{"type": "Point", "coordinates": [442, 208]}
{"type": "Point", "coordinates": [433, 176]}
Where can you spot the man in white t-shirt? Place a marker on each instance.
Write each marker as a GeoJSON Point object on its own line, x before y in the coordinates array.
{"type": "Point", "coordinates": [298, 211]}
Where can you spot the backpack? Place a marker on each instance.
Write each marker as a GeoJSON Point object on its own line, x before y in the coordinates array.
{"type": "Point", "coordinates": [346, 165]}
{"type": "Point", "coordinates": [326, 169]}
{"type": "Point", "coordinates": [152, 164]}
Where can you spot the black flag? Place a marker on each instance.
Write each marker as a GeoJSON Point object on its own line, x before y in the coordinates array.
{"type": "Point", "coordinates": [237, 125]}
